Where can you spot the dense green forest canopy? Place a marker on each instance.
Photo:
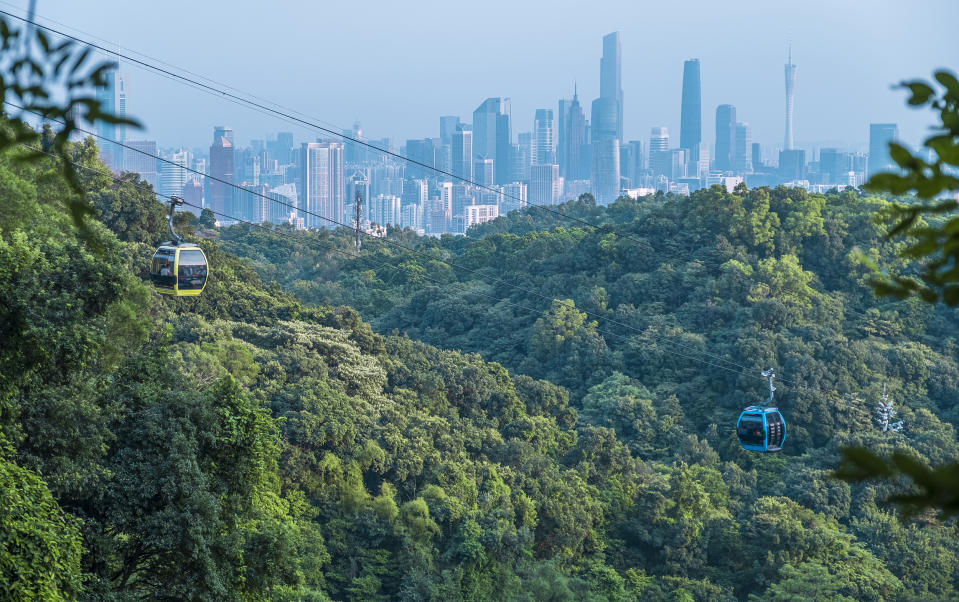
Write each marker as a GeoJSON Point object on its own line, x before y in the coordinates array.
{"type": "Point", "coordinates": [453, 437]}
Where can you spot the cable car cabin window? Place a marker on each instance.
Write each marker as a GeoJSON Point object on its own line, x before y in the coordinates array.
{"type": "Point", "coordinates": [161, 272]}
{"type": "Point", "coordinates": [191, 270]}
{"type": "Point", "coordinates": [751, 430]}
{"type": "Point", "coordinates": [776, 430]}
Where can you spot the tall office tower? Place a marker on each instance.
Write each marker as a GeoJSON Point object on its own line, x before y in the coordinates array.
{"type": "Point", "coordinates": [725, 158]}
{"type": "Point", "coordinates": [281, 149]}
{"type": "Point", "coordinates": [246, 167]}
{"type": "Point", "coordinates": [414, 191]}
{"type": "Point", "coordinates": [834, 166]}
{"type": "Point", "coordinates": [220, 197]}
{"type": "Point", "coordinates": [790, 97]}
{"type": "Point", "coordinates": [483, 171]}
{"type": "Point", "coordinates": [880, 135]}
{"type": "Point", "coordinates": [113, 99]}
{"type": "Point", "coordinates": [606, 123]}
{"type": "Point", "coordinates": [572, 137]}
{"type": "Point", "coordinates": [192, 193]}
{"type": "Point", "coordinates": [448, 125]}
{"type": "Point", "coordinates": [542, 151]}
{"type": "Point", "coordinates": [691, 119]}
{"type": "Point", "coordinates": [676, 163]}
{"type": "Point", "coordinates": [544, 184]}
{"type": "Point", "coordinates": [323, 189]}
{"type": "Point", "coordinates": [634, 168]}
{"type": "Point", "coordinates": [792, 165]}
{"type": "Point", "coordinates": [524, 148]}
{"type": "Point", "coordinates": [744, 141]}
{"type": "Point", "coordinates": [659, 151]}
{"type": "Point", "coordinates": [611, 77]}
{"type": "Point", "coordinates": [140, 157]}
{"type": "Point", "coordinates": [625, 165]}
{"type": "Point", "coordinates": [462, 153]}
{"type": "Point", "coordinates": [492, 136]}
{"type": "Point", "coordinates": [605, 175]}
{"type": "Point", "coordinates": [757, 156]}
{"type": "Point", "coordinates": [423, 151]}
{"type": "Point", "coordinates": [173, 173]}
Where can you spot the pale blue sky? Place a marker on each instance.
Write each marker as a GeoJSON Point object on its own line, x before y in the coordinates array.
{"type": "Point", "coordinates": [398, 66]}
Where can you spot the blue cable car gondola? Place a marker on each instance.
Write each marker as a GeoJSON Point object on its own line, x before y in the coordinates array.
{"type": "Point", "coordinates": [178, 268]}
{"type": "Point", "coordinates": [762, 428]}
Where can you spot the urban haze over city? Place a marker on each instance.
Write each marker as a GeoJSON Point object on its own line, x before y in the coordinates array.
{"type": "Point", "coordinates": [471, 166]}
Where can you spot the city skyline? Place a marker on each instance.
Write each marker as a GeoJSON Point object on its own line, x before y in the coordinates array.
{"type": "Point", "coordinates": [744, 71]}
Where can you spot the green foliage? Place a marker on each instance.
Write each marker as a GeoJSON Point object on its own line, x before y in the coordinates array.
{"type": "Point", "coordinates": [54, 81]}
{"type": "Point", "coordinates": [934, 245]}
{"type": "Point", "coordinates": [40, 545]}
{"type": "Point", "coordinates": [931, 487]}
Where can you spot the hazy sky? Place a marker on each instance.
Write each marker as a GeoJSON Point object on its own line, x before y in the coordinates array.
{"type": "Point", "coordinates": [397, 66]}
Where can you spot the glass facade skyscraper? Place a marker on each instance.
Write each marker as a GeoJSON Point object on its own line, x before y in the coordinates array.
{"type": "Point", "coordinates": [880, 135]}
{"type": "Point", "coordinates": [691, 117]}
{"type": "Point", "coordinates": [725, 138]}
{"type": "Point", "coordinates": [492, 136]}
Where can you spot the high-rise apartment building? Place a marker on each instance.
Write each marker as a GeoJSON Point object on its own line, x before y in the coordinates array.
{"type": "Point", "coordinates": [323, 186]}
{"type": "Point", "coordinates": [691, 117]}
{"type": "Point", "coordinates": [492, 137]}
{"type": "Point", "coordinates": [173, 174]}
{"type": "Point", "coordinates": [880, 135]}
{"type": "Point", "coordinates": [542, 151]}
{"type": "Point", "coordinates": [220, 197]}
{"type": "Point", "coordinates": [725, 159]}
{"type": "Point", "coordinates": [790, 98]}
{"type": "Point", "coordinates": [461, 153]}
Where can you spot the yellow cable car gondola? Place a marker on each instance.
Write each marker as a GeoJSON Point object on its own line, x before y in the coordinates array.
{"type": "Point", "coordinates": [179, 268]}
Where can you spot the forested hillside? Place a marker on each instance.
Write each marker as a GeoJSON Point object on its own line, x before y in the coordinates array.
{"type": "Point", "coordinates": [264, 441]}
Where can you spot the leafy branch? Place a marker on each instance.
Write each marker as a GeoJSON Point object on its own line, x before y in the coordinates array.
{"type": "Point", "coordinates": [932, 487]}
{"type": "Point", "coordinates": [934, 245]}
{"type": "Point", "coordinates": [54, 81]}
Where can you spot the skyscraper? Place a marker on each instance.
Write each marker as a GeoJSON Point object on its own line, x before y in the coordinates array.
{"type": "Point", "coordinates": [611, 77]}
{"type": "Point", "coordinates": [605, 176]}
{"type": "Point", "coordinates": [113, 99]}
{"type": "Point", "coordinates": [492, 136]}
{"type": "Point", "coordinates": [542, 152]}
{"type": "Point", "coordinates": [543, 184]}
{"type": "Point", "coordinates": [323, 188]}
{"type": "Point", "coordinates": [691, 118]}
{"type": "Point", "coordinates": [743, 156]}
{"type": "Point", "coordinates": [572, 137]}
{"type": "Point", "coordinates": [725, 158]}
{"type": "Point", "coordinates": [483, 171]}
{"type": "Point", "coordinates": [790, 97]}
{"type": "Point", "coordinates": [462, 153]}
{"type": "Point", "coordinates": [448, 125]}
{"type": "Point", "coordinates": [880, 135]}
{"type": "Point", "coordinates": [221, 168]}
{"type": "Point", "coordinates": [561, 150]}
{"type": "Point", "coordinates": [659, 161]}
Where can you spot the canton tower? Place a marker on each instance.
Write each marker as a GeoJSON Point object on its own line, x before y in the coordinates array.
{"type": "Point", "coordinates": [790, 97]}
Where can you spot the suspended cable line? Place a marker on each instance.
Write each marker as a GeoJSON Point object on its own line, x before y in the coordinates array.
{"type": "Point", "coordinates": [481, 277]}
{"type": "Point", "coordinates": [333, 248]}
